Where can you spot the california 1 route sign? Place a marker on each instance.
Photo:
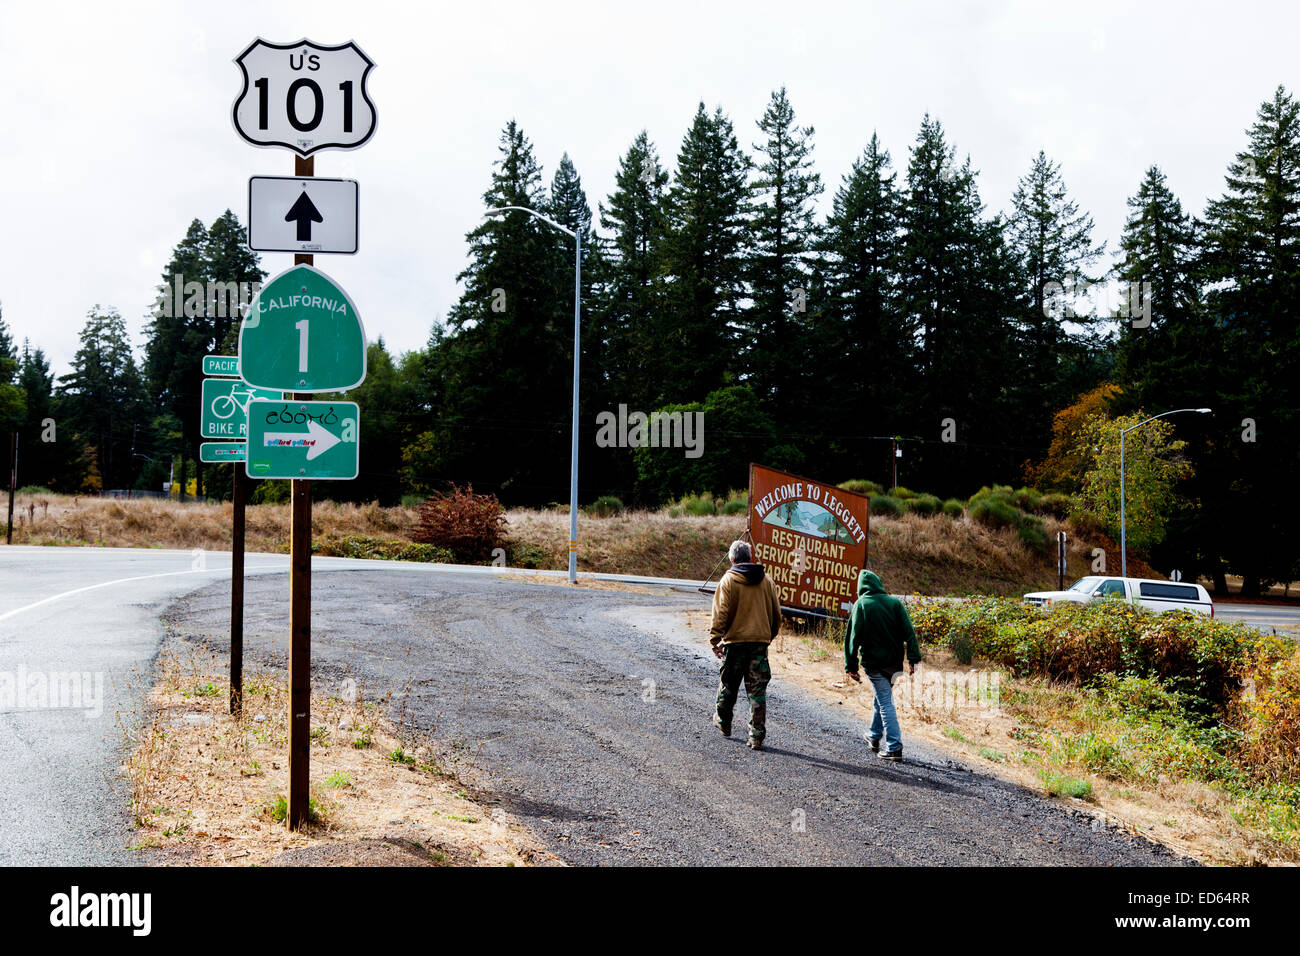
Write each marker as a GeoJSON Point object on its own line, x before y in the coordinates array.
{"type": "Point", "coordinates": [295, 439]}
{"type": "Point", "coordinates": [304, 96]}
{"type": "Point", "coordinates": [302, 334]}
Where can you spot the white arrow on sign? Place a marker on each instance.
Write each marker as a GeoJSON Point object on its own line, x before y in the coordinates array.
{"type": "Point", "coordinates": [317, 440]}
{"type": "Point", "coordinates": [293, 214]}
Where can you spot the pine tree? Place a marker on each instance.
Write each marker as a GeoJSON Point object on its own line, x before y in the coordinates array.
{"type": "Point", "coordinates": [103, 397]}
{"type": "Point", "coordinates": [229, 262]}
{"type": "Point", "coordinates": [1158, 248]}
{"type": "Point", "coordinates": [177, 339]}
{"type": "Point", "coordinates": [784, 240]}
{"type": "Point", "coordinates": [47, 457]}
{"type": "Point", "coordinates": [632, 284]}
{"type": "Point", "coordinates": [961, 281]}
{"type": "Point", "coordinates": [12, 396]}
{"type": "Point", "coordinates": [864, 333]}
{"type": "Point", "coordinates": [504, 425]}
{"type": "Point", "coordinates": [1052, 242]}
{"type": "Point", "coordinates": [1250, 263]}
{"type": "Point", "coordinates": [704, 256]}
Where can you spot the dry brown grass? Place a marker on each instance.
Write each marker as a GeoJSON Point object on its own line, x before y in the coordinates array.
{"type": "Point", "coordinates": [913, 555]}
{"type": "Point", "coordinates": [1189, 816]}
{"type": "Point", "coordinates": [205, 786]}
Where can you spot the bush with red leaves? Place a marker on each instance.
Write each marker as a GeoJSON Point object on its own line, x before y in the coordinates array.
{"type": "Point", "coordinates": [470, 525]}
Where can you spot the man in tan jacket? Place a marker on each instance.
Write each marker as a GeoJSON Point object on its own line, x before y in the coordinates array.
{"type": "Point", "coordinates": [746, 616]}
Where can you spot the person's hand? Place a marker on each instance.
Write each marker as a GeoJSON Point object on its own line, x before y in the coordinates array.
{"type": "Point", "coordinates": [717, 652]}
{"type": "Point", "coordinates": [854, 676]}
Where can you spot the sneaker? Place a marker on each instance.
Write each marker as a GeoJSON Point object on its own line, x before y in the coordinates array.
{"type": "Point", "coordinates": [875, 743]}
{"type": "Point", "coordinates": [896, 756]}
{"type": "Point", "coordinates": [755, 743]}
{"type": "Point", "coordinates": [725, 728]}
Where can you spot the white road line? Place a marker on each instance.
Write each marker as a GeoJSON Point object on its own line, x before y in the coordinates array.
{"type": "Point", "coordinates": [93, 587]}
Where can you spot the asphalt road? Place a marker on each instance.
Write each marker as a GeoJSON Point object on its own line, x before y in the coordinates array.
{"type": "Point", "coordinates": [91, 614]}
{"type": "Point", "coordinates": [587, 714]}
{"type": "Point", "coordinates": [1283, 619]}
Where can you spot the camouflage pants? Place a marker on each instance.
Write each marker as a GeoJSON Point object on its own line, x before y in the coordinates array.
{"type": "Point", "coordinates": [747, 662]}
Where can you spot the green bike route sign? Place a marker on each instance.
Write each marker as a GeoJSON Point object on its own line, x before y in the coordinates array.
{"type": "Point", "coordinates": [224, 403]}
{"type": "Point", "coordinates": [294, 439]}
{"type": "Point", "coordinates": [302, 334]}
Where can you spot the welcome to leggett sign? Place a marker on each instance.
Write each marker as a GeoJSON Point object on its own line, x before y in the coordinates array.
{"type": "Point", "coordinates": [812, 538]}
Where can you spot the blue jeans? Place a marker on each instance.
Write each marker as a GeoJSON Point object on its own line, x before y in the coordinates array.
{"type": "Point", "coordinates": [884, 721]}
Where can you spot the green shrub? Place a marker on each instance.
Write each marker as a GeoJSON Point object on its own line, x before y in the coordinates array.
{"type": "Point", "coordinates": [1059, 785]}
{"type": "Point", "coordinates": [526, 556]}
{"type": "Point", "coordinates": [33, 490]}
{"type": "Point", "coordinates": [862, 486]}
{"type": "Point", "coordinates": [954, 508]}
{"type": "Point", "coordinates": [886, 506]}
{"type": "Point", "coordinates": [997, 492]}
{"type": "Point", "coordinates": [604, 507]}
{"type": "Point", "coordinates": [901, 493]}
{"type": "Point", "coordinates": [698, 505]}
{"type": "Point", "coordinates": [1032, 533]}
{"type": "Point", "coordinates": [962, 647]}
{"type": "Point", "coordinates": [271, 491]}
{"type": "Point", "coordinates": [994, 512]}
{"type": "Point", "coordinates": [1027, 499]}
{"type": "Point", "coordinates": [360, 546]}
{"type": "Point", "coordinates": [736, 506]}
{"type": "Point", "coordinates": [1055, 505]}
{"type": "Point", "coordinates": [925, 505]}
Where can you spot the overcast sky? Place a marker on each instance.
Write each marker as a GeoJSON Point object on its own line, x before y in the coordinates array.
{"type": "Point", "coordinates": [118, 131]}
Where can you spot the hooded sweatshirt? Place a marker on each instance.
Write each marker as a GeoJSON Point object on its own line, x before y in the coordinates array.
{"type": "Point", "coordinates": [746, 607]}
{"type": "Point", "coordinates": [879, 629]}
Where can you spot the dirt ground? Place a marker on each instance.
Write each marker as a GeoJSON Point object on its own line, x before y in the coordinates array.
{"type": "Point", "coordinates": [1187, 816]}
{"type": "Point", "coordinates": [207, 789]}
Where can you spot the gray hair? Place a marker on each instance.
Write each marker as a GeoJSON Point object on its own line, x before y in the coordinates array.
{"type": "Point", "coordinates": [739, 552]}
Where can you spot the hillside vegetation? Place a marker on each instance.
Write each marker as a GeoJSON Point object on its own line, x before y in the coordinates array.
{"type": "Point", "coordinates": [913, 553]}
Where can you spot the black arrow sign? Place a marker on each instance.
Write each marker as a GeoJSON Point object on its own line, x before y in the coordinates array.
{"type": "Point", "coordinates": [305, 212]}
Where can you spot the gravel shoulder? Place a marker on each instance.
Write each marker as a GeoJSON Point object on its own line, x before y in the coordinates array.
{"type": "Point", "coordinates": [585, 712]}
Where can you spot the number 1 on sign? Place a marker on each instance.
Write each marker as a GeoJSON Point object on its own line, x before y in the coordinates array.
{"type": "Point", "coordinates": [302, 344]}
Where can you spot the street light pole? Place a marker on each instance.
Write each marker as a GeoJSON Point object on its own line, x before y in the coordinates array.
{"type": "Point", "coordinates": [1123, 538]}
{"type": "Point", "coordinates": [577, 355]}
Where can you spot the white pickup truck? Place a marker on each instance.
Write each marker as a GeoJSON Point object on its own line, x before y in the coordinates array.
{"type": "Point", "coordinates": [1151, 594]}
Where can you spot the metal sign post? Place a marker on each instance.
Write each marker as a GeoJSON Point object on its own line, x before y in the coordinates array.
{"type": "Point", "coordinates": [1060, 560]}
{"type": "Point", "coordinates": [239, 494]}
{"type": "Point", "coordinates": [302, 333]}
{"type": "Point", "coordinates": [300, 616]}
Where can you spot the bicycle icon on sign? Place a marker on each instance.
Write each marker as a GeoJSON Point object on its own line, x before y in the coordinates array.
{"type": "Point", "coordinates": [223, 406]}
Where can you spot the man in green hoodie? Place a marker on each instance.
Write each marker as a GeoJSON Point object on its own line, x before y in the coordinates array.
{"type": "Point", "coordinates": [879, 631]}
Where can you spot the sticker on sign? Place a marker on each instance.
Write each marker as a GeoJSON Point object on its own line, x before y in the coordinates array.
{"type": "Point", "coordinates": [295, 439]}
{"type": "Point", "coordinates": [218, 452]}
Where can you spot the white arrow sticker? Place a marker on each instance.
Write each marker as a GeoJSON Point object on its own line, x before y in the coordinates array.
{"type": "Point", "coordinates": [317, 440]}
